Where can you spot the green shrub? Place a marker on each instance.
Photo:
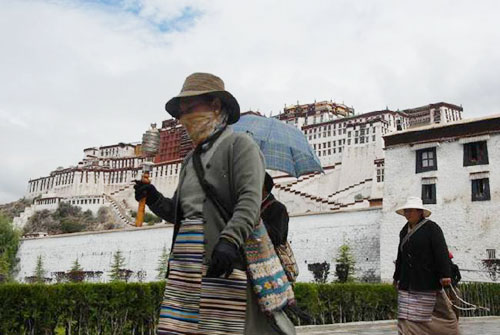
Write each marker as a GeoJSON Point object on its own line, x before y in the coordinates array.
{"type": "Point", "coordinates": [114, 308]}
{"type": "Point", "coordinates": [71, 225]}
{"type": "Point", "coordinates": [9, 243]}
{"type": "Point", "coordinates": [334, 303]}
{"type": "Point", "coordinates": [133, 308]}
{"type": "Point", "coordinates": [148, 217]}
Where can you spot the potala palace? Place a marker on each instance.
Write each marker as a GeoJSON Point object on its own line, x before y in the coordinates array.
{"type": "Point", "coordinates": [371, 163]}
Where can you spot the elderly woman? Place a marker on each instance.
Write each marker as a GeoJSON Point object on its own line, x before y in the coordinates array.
{"type": "Point", "coordinates": [422, 269]}
{"type": "Point", "coordinates": [207, 290]}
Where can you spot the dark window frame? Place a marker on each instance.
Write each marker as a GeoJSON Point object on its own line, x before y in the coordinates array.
{"type": "Point", "coordinates": [476, 153]}
{"type": "Point", "coordinates": [480, 189]}
{"type": "Point", "coordinates": [429, 194]}
{"type": "Point", "coordinates": [419, 161]}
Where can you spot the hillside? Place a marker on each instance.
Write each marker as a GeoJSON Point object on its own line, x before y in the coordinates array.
{"type": "Point", "coordinates": [13, 209]}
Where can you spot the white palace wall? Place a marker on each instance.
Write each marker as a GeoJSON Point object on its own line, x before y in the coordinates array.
{"type": "Point", "coordinates": [314, 238]}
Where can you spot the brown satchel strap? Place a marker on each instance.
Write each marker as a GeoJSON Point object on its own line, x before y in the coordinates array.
{"type": "Point", "coordinates": [266, 205]}
{"type": "Point", "coordinates": [413, 231]}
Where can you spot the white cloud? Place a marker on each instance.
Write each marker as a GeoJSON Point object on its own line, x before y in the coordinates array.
{"type": "Point", "coordinates": [79, 74]}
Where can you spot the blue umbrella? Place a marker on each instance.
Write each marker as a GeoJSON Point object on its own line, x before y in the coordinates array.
{"type": "Point", "coordinates": [285, 147]}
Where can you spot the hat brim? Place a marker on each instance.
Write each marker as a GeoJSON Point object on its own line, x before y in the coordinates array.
{"type": "Point", "coordinates": [229, 101]}
{"type": "Point", "coordinates": [401, 211]}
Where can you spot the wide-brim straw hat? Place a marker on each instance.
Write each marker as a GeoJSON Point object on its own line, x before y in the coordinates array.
{"type": "Point", "coordinates": [198, 84]}
{"type": "Point", "coordinates": [415, 203]}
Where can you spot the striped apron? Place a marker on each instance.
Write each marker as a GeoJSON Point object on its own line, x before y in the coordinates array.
{"type": "Point", "coordinates": [416, 305]}
{"type": "Point", "coordinates": [193, 303]}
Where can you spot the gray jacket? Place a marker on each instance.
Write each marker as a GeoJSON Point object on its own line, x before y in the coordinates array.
{"type": "Point", "coordinates": [236, 171]}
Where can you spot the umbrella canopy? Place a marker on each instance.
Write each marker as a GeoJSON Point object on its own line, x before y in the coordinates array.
{"type": "Point", "coordinates": [285, 147]}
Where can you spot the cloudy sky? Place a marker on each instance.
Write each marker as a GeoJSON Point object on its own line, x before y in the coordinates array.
{"type": "Point", "coordinates": [75, 74]}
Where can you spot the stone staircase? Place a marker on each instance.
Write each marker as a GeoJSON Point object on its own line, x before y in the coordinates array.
{"type": "Point", "coordinates": [121, 189]}
{"type": "Point", "coordinates": [120, 211]}
{"type": "Point", "coordinates": [350, 187]}
{"type": "Point", "coordinates": [333, 205]}
{"type": "Point", "coordinates": [299, 181]}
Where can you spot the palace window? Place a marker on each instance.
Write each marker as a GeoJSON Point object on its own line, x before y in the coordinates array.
{"type": "Point", "coordinates": [426, 160]}
{"type": "Point", "coordinates": [491, 253]}
{"type": "Point", "coordinates": [480, 189]}
{"type": "Point", "coordinates": [380, 171]}
{"type": "Point", "coordinates": [429, 193]}
{"type": "Point", "coordinates": [475, 153]}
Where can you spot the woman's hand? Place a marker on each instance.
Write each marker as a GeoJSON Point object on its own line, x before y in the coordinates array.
{"type": "Point", "coordinates": [223, 257]}
{"type": "Point", "coordinates": [148, 191]}
{"type": "Point", "coordinates": [445, 281]}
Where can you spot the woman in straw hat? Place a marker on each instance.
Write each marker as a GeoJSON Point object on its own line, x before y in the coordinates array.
{"type": "Point", "coordinates": [207, 290]}
{"type": "Point", "coordinates": [422, 269]}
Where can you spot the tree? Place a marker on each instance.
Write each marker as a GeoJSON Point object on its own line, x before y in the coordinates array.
{"type": "Point", "coordinates": [9, 244]}
{"type": "Point", "coordinates": [344, 269]}
{"type": "Point", "coordinates": [76, 266]}
{"type": "Point", "coordinates": [103, 214]}
{"type": "Point", "coordinates": [40, 272]}
{"type": "Point", "coordinates": [105, 218]}
{"type": "Point", "coordinates": [320, 271]}
{"type": "Point", "coordinates": [4, 268]}
{"type": "Point", "coordinates": [162, 264]}
{"type": "Point", "coordinates": [116, 273]}
{"type": "Point", "coordinates": [76, 273]}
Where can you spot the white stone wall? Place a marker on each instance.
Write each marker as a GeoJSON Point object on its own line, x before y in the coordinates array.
{"type": "Point", "coordinates": [141, 248]}
{"type": "Point", "coordinates": [469, 227]}
{"type": "Point", "coordinates": [314, 238]}
{"type": "Point", "coordinates": [317, 238]}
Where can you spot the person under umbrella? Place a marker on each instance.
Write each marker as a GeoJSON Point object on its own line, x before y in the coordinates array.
{"type": "Point", "coordinates": [207, 289]}
{"type": "Point", "coordinates": [422, 269]}
{"type": "Point", "coordinates": [274, 214]}
{"type": "Point", "coordinates": [275, 217]}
